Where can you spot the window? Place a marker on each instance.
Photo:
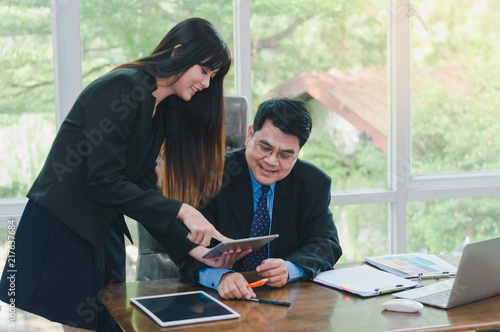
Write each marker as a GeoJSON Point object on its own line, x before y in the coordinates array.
{"type": "Point", "coordinates": [362, 230]}
{"type": "Point", "coordinates": [27, 118]}
{"type": "Point", "coordinates": [446, 225]}
{"type": "Point", "coordinates": [439, 99]}
{"type": "Point", "coordinates": [27, 125]}
{"type": "Point", "coordinates": [455, 93]}
{"type": "Point", "coordinates": [454, 106]}
{"type": "Point", "coordinates": [405, 119]}
{"type": "Point", "coordinates": [333, 56]}
{"type": "Point", "coordinates": [114, 32]}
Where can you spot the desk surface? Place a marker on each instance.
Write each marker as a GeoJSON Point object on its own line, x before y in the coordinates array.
{"type": "Point", "coordinates": [313, 307]}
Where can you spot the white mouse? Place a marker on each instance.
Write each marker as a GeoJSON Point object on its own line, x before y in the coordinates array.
{"type": "Point", "coordinates": [402, 305]}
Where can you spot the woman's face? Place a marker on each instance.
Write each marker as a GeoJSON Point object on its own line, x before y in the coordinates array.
{"type": "Point", "coordinates": [192, 81]}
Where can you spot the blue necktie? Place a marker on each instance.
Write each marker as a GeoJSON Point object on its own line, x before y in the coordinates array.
{"type": "Point", "coordinates": [260, 227]}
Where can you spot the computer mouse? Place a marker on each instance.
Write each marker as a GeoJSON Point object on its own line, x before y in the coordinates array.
{"type": "Point", "coordinates": [402, 305]}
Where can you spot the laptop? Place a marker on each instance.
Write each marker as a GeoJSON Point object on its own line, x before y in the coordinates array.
{"type": "Point", "coordinates": [477, 278]}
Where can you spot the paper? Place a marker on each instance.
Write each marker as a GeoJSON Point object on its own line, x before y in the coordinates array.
{"type": "Point", "coordinates": [412, 265]}
{"type": "Point", "coordinates": [364, 281]}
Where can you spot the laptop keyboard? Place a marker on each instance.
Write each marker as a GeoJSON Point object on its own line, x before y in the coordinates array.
{"type": "Point", "coordinates": [438, 299]}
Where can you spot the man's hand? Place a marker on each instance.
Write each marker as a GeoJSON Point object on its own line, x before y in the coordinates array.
{"type": "Point", "coordinates": [274, 269]}
{"type": "Point", "coordinates": [233, 286]}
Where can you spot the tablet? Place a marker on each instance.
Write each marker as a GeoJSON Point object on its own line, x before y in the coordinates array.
{"type": "Point", "coordinates": [253, 243]}
{"type": "Point", "coordinates": [183, 308]}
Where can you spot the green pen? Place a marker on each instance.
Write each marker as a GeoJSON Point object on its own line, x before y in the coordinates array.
{"type": "Point", "coordinates": [435, 276]}
{"type": "Point", "coordinates": [395, 289]}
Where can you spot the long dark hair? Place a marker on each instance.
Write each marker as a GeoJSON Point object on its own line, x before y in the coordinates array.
{"type": "Point", "coordinates": [193, 151]}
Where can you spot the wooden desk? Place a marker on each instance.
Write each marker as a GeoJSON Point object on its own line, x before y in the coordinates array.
{"type": "Point", "coordinates": [314, 307]}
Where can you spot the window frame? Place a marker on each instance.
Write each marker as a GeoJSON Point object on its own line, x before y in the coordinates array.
{"type": "Point", "coordinates": [403, 186]}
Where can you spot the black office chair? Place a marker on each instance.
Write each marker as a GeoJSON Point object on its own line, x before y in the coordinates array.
{"type": "Point", "coordinates": [153, 262]}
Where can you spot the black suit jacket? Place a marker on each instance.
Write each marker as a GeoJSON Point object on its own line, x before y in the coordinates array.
{"type": "Point", "coordinates": [301, 216]}
{"type": "Point", "coordinates": [97, 166]}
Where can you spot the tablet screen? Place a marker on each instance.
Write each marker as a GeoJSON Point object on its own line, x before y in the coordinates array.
{"type": "Point", "coordinates": [184, 308]}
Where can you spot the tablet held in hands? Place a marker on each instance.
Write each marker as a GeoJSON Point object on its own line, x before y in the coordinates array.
{"type": "Point", "coordinates": [253, 243]}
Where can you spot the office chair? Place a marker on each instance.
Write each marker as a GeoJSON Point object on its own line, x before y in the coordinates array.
{"type": "Point", "coordinates": [153, 262]}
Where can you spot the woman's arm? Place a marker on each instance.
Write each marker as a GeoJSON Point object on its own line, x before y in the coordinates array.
{"type": "Point", "coordinates": [201, 231]}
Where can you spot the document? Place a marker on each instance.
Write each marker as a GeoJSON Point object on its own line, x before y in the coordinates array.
{"type": "Point", "coordinates": [364, 280]}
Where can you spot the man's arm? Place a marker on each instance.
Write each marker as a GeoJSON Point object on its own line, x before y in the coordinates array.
{"type": "Point", "coordinates": [321, 248]}
{"type": "Point", "coordinates": [210, 277]}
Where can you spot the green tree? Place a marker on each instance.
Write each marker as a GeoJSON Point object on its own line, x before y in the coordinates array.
{"type": "Point", "coordinates": [27, 98]}
{"type": "Point", "coordinates": [451, 131]}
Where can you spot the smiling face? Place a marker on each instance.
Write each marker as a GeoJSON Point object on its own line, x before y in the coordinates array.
{"type": "Point", "coordinates": [192, 81]}
{"type": "Point", "coordinates": [266, 167]}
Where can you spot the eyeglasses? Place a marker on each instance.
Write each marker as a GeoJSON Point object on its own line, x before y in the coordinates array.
{"type": "Point", "coordinates": [265, 150]}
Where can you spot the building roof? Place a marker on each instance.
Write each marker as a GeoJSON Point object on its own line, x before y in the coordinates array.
{"type": "Point", "coordinates": [360, 95]}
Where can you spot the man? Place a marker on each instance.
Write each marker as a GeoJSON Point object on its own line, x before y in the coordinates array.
{"type": "Point", "coordinates": [296, 205]}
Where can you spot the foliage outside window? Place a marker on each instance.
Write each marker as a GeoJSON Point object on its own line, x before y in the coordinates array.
{"type": "Point", "coordinates": [455, 110]}
{"type": "Point", "coordinates": [27, 117]}
{"type": "Point", "coordinates": [455, 98]}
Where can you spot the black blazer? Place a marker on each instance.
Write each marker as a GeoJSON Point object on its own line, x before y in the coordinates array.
{"type": "Point", "coordinates": [301, 216]}
{"type": "Point", "coordinates": [97, 166]}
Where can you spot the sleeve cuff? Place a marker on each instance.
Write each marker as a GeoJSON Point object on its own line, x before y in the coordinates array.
{"type": "Point", "coordinates": [294, 271]}
{"type": "Point", "coordinates": [210, 277]}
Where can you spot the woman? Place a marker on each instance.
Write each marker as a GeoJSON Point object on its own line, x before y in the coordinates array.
{"type": "Point", "coordinates": [101, 166]}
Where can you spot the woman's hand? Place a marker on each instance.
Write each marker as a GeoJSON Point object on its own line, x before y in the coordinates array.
{"type": "Point", "coordinates": [201, 230]}
{"type": "Point", "coordinates": [225, 261]}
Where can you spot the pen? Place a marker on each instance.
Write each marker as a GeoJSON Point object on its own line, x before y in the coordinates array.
{"type": "Point", "coordinates": [395, 289]}
{"type": "Point", "coordinates": [285, 304]}
{"type": "Point", "coordinates": [259, 283]}
{"type": "Point", "coordinates": [435, 276]}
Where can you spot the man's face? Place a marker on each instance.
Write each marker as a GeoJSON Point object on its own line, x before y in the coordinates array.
{"type": "Point", "coordinates": [271, 154]}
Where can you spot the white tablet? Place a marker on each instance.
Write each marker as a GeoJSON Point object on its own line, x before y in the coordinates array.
{"type": "Point", "coordinates": [183, 308]}
{"type": "Point", "coordinates": [253, 243]}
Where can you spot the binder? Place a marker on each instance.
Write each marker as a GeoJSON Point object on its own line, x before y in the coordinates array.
{"type": "Point", "coordinates": [364, 281]}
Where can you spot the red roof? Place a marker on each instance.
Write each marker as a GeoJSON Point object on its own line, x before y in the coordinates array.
{"type": "Point", "coordinates": [360, 95]}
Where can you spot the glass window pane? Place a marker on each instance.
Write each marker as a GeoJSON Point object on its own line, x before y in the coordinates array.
{"type": "Point", "coordinates": [331, 54]}
{"type": "Point", "coordinates": [455, 87]}
{"type": "Point", "coordinates": [114, 32]}
{"type": "Point", "coordinates": [443, 226]}
{"type": "Point", "coordinates": [27, 111]}
{"type": "Point", "coordinates": [362, 230]}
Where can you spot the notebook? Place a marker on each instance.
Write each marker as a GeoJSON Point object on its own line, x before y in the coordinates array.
{"type": "Point", "coordinates": [364, 281]}
{"type": "Point", "coordinates": [476, 279]}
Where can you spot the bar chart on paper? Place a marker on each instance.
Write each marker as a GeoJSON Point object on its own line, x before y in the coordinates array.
{"type": "Point", "coordinates": [413, 265]}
